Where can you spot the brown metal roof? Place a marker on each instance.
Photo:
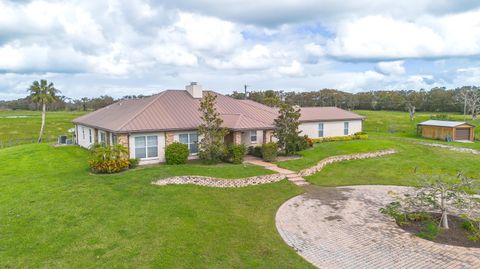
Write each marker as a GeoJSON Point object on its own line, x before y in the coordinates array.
{"type": "Point", "coordinates": [178, 110]}
{"type": "Point", "coordinates": [327, 114]}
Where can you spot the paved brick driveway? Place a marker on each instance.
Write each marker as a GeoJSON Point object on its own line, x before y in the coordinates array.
{"type": "Point", "coordinates": [342, 228]}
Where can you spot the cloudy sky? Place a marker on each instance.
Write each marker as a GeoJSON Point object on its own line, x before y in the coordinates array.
{"type": "Point", "coordinates": [120, 47]}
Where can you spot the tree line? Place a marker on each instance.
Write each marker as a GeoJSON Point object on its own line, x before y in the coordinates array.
{"type": "Point", "coordinates": [463, 99]}
{"type": "Point", "coordinates": [64, 103]}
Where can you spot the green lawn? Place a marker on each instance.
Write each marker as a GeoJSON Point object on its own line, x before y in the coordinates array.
{"type": "Point", "coordinates": [399, 124]}
{"type": "Point", "coordinates": [14, 131]}
{"type": "Point", "coordinates": [397, 169]}
{"type": "Point", "coordinates": [312, 156]}
{"type": "Point", "coordinates": [54, 213]}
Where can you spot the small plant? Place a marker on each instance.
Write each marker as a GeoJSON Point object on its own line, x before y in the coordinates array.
{"type": "Point", "coordinates": [309, 141]}
{"type": "Point", "coordinates": [443, 193]}
{"type": "Point", "coordinates": [430, 230]}
{"type": "Point", "coordinates": [133, 163]}
{"type": "Point", "coordinates": [236, 153]}
{"type": "Point", "coordinates": [176, 153]}
{"type": "Point", "coordinates": [472, 227]}
{"type": "Point", "coordinates": [269, 152]}
{"type": "Point", "coordinates": [255, 151]}
{"type": "Point", "coordinates": [355, 136]}
{"type": "Point", "coordinates": [394, 210]}
{"type": "Point", "coordinates": [109, 159]}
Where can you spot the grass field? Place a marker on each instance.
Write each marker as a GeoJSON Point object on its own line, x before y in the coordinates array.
{"type": "Point", "coordinates": [15, 131]}
{"type": "Point", "coordinates": [56, 214]}
{"type": "Point", "coordinates": [399, 124]}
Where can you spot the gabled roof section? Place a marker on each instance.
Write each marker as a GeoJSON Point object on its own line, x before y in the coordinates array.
{"type": "Point", "coordinates": [309, 114]}
{"type": "Point", "coordinates": [444, 123]}
{"type": "Point", "coordinates": [177, 110]}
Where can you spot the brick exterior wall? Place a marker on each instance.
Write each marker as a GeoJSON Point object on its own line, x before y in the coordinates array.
{"type": "Point", "coordinates": [169, 138]}
{"type": "Point", "coordinates": [267, 136]}
{"type": "Point", "coordinates": [237, 137]}
{"type": "Point", "coordinates": [122, 139]}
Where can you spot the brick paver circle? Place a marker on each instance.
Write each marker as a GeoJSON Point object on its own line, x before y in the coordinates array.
{"type": "Point", "coordinates": [342, 228]}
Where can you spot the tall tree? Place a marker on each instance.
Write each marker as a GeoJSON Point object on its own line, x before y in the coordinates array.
{"type": "Point", "coordinates": [211, 146]}
{"type": "Point", "coordinates": [286, 128]}
{"type": "Point", "coordinates": [473, 103]}
{"type": "Point", "coordinates": [43, 93]}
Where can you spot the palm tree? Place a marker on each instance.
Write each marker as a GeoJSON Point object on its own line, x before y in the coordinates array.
{"type": "Point", "coordinates": [43, 93]}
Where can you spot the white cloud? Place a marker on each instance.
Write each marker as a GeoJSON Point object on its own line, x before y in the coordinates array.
{"type": "Point", "coordinates": [383, 37]}
{"type": "Point", "coordinates": [294, 69]}
{"type": "Point", "coordinates": [112, 47]}
{"type": "Point", "coordinates": [391, 68]}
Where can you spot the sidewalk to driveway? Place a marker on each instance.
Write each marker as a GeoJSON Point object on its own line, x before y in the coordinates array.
{"type": "Point", "coordinates": [291, 175]}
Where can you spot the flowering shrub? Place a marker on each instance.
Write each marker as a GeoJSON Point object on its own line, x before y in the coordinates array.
{"type": "Point", "coordinates": [109, 159]}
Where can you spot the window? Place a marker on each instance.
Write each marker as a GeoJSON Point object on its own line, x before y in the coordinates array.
{"type": "Point", "coordinates": [113, 139]}
{"type": "Point", "coordinates": [253, 136]}
{"type": "Point", "coordinates": [102, 138]}
{"type": "Point", "coordinates": [191, 140]}
{"type": "Point", "coordinates": [83, 133]}
{"type": "Point", "coordinates": [345, 128]}
{"type": "Point", "coordinates": [146, 146]}
{"type": "Point", "coordinates": [320, 129]}
{"type": "Point", "coordinates": [90, 135]}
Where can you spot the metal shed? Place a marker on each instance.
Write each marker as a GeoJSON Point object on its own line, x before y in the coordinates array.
{"type": "Point", "coordinates": [446, 130]}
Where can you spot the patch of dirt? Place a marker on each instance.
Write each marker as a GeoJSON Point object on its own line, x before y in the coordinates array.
{"type": "Point", "coordinates": [456, 235]}
{"type": "Point", "coordinates": [328, 196]}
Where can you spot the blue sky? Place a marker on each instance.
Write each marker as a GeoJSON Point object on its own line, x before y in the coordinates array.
{"type": "Point", "coordinates": [120, 47]}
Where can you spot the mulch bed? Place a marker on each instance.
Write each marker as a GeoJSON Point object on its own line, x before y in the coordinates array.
{"type": "Point", "coordinates": [456, 235]}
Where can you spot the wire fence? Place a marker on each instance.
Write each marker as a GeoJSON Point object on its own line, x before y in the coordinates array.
{"type": "Point", "coordinates": [10, 142]}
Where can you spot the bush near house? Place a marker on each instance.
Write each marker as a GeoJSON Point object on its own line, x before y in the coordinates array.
{"type": "Point", "coordinates": [235, 153]}
{"type": "Point", "coordinates": [176, 153]}
{"type": "Point", "coordinates": [356, 136]}
{"type": "Point", "coordinates": [255, 151]}
{"type": "Point", "coordinates": [133, 162]}
{"type": "Point", "coordinates": [269, 152]}
{"type": "Point", "coordinates": [109, 159]}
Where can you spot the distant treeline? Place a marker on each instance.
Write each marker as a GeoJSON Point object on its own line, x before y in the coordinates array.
{"type": "Point", "coordinates": [66, 104]}
{"type": "Point", "coordinates": [434, 100]}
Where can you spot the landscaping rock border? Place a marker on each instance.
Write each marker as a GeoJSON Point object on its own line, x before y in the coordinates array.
{"type": "Point", "coordinates": [458, 149]}
{"type": "Point", "coordinates": [257, 180]}
{"type": "Point", "coordinates": [219, 182]}
{"type": "Point", "coordinates": [320, 165]}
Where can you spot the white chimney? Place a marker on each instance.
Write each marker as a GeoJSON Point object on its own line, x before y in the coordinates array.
{"type": "Point", "coordinates": [194, 90]}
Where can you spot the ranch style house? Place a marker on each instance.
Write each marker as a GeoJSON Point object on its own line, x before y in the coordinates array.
{"type": "Point", "coordinates": [146, 126]}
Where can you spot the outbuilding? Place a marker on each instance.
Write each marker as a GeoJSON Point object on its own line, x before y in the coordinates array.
{"type": "Point", "coordinates": [446, 130]}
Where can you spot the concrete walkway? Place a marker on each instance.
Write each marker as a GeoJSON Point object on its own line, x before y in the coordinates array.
{"type": "Point", "coordinates": [343, 228]}
{"type": "Point", "coordinates": [289, 174]}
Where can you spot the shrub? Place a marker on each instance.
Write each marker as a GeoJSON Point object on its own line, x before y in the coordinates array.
{"type": "Point", "coordinates": [472, 227]}
{"type": "Point", "coordinates": [430, 230]}
{"type": "Point", "coordinates": [309, 141]}
{"type": "Point", "coordinates": [269, 151]}
{"type": "Point", "coordinates": [255, 151]}
{"type": "Point", "coordinates": [176, 153]}
{"type": "Point", "coordinates": [340, 138]}
{"type": "Point", "coordinates": [108, 166]}
{"type": "Point", "coordinates": [133, 162]}
{"type": "Point", "coordinates": [235, 153]}
{"type": "Point", "coordinates": [302, 143]}
{"type": "Point", "coordinates": [108, 159]}
{"type": "Point", "coordinates": [440, 117]}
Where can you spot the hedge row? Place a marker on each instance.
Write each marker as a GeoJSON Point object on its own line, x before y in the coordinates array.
{"type": "Point", "coordinates": [356, 136]}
